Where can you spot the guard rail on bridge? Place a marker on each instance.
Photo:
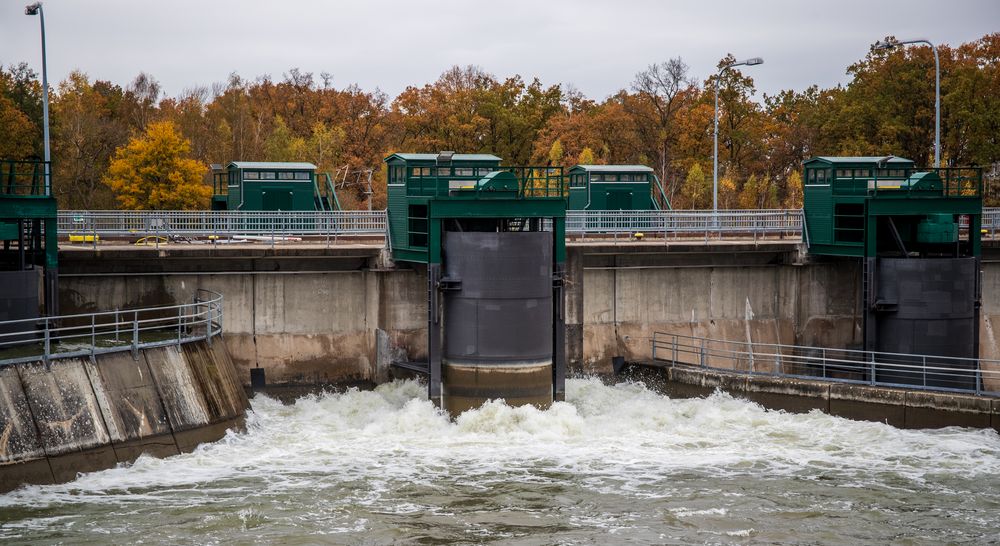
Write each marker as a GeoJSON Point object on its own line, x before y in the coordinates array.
{"type": "Point", "coordinates": [121, 223]}
{"type": "Point", "coordinates": [748, 222]}
{"type": "Point", "coordinates": [924, 372]}
{"type": "Point", "coordinates": [47, 338]}
{"type": "Point", "coordinates": [724, 223]}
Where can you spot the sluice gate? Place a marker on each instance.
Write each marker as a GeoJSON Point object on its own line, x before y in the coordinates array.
{"type": "Point", "coordinates": [493, 241]}
{"type": "Point", "coordinates": [917, 234]}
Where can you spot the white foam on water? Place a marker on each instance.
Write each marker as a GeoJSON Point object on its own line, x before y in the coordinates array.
{"type": "Point", "coordinates": [368, 448]}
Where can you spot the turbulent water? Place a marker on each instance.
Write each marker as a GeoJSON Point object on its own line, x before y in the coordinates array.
{"type": "Point", "coordinates": [613, 464]}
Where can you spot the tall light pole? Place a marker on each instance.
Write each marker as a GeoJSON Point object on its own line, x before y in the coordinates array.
{"type": "Point", "coordinates": [937, 88]}
{"type": "Point", "coordinates": [752, 61]}
{"type": "Point", "coordinates": [36, 9]}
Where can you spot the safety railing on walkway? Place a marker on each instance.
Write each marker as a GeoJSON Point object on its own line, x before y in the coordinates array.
{"type": "Point", "coordinates": [121, 223]}
{"type": "Point", "coordinates": [725, 223]}
{"type": "Point", "coordinates": [925, 372]}
{"type": "Point", "coordinates": [67, 336]}
{"type": "Point", "coordinates": [749, 222]}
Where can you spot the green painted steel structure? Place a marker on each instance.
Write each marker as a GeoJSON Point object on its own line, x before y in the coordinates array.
{"type": "Point", "coordinates": [867, 206]}
{"type": "Point", "coordinates": [615, 187]}
{"type": "Point", "coordinates": [431, 194]}
{"type": "Point", "coordinates": [259, 186]}
{"type": "Point", "coordinates": [920, 274]}
{"type": "Point", "coordinates": [28, 226]}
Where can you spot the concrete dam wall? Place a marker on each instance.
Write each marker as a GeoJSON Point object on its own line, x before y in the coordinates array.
{"type": "Point", "coordinates": [310, 314]}
{"type": "Point", "coordinates": [85, 414]}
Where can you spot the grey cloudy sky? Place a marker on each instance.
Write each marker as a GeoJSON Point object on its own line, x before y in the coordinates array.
{"type": "Point", "coordinates": [597, 46]}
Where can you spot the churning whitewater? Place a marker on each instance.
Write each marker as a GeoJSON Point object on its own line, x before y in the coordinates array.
{"type": "Point", "coordinates": [617, 463]}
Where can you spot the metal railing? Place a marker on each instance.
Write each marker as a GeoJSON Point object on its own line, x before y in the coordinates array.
{"type": "Point", "coordinates": [22, 178]}
{"type": "Point", "coordinates": [121, 223]}
{"type": "Point", "coordinates": [924, 372]}
{"type": "Point", "coordinates": [727, 223]}
{"type": "Point", "coordinates": [685, 221]}
{"type": "Point", "coordinates": [89, 334]}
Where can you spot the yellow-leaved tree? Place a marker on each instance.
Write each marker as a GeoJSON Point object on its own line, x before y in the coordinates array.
{"type": "Point", "coordinates": [154, 172]}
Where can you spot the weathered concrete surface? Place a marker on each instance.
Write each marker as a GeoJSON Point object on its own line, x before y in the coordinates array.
{"type": "Point", "coordinates": [306, 314]}
{"type": "Point", "coordinates": [309, 314]}
{"type": "Point", "coordinates": [84, 414]}
{"type": "Point", "coordinates": [133, 411]}
{"type": "Point", "coordinates": [20, 446]}
{"type": "Point", "coordinates": [898, 407]}
{"type": "Point", "coordinates": [758, 294]}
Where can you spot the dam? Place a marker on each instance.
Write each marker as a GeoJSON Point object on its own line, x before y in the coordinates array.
{"type": "Point", "coordinates": [379, 461]}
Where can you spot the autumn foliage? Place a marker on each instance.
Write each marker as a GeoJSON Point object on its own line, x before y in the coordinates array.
{"type": "Point", "coordinates": [662, 118]}
{"type": "Point", "coordinates": [154, 172]}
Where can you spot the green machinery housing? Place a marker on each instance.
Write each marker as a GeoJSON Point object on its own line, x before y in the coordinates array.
{"type": "Point", "coordinates": [615, 187]}
{"type": "Point", "coordinates": [492, 240]}
{"type": "Point", "coordinates": [272, 186]}
{"type": "Point", "coordinates": [28, 229]}
{"type": "Point", "coordinates": [917, 234]}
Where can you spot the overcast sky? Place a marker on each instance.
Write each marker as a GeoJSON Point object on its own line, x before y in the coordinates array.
{"type": "Point", "coordinates": [597, 46]}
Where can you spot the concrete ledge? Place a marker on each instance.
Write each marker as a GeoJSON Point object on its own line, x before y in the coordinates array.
{"type": "Point", "coordinates": [791, 395]}
{"type": "Point", "coordinates": [36, 471]}
{"type": "Point", "coordinates": [865, 403]}
{"type": "Point", "coordinates": [898, 407]}
{"type": "Point", "coordinates": [934, 410]}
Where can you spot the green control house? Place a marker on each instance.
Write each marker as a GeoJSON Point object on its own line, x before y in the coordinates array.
{"type": "Point", "coordinates": [29, 254]}
{"type": "Point", "coordinates": [259, 186]}
{"type": "Point", "coordinates": [917, 234]}
{"type": "Point", "coordinates": [615, 187]}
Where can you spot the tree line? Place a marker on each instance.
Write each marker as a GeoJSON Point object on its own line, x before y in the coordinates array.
{"type": "Point", "coordinates": [663, 119]}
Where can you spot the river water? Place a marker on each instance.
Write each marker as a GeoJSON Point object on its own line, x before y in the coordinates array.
{"type": "Point", "coordinates": [613, 464]}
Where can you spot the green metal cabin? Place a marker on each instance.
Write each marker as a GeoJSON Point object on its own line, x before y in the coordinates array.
{"type": "Point", "coordinates": [615, 187]}
{"type": "Point", "coordinates": [856, 206]}
{"type": "Point", "coordinates": [259, 186]}
{"type": "Point", "coordinates": [28, 223]}
{"type": "Point", "coordinates": [413, 181]}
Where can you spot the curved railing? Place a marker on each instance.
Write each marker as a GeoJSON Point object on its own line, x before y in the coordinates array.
{"type": "Point", "coordinates": [88, 334]}
{"type": "Point", "coordinates": [924, 372]}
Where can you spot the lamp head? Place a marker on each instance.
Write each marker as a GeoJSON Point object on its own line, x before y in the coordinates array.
{"type": "Point", "coordinates": [32, 9]}
{"type": "Point", "coordinates": [881, 46]}
{"type": "Point", "coordinates": [752, 61]}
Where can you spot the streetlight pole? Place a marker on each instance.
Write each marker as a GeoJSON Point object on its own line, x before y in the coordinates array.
{"type": "Point", "coordinates": [715, 134]}
{"type": "Point", "coordinates": [36, 9]}
{"type": "Point", "coordinates": [937, 89]}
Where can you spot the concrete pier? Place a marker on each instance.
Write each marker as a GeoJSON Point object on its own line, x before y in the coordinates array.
{"type": "Point", "coordinates": [78, 415]}
{"type": "Point", "coordinates": [898, 407]}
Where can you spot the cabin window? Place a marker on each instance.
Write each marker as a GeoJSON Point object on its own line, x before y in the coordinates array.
{"type": "Point", "coordinates": [267, 175]}
{"type": "Point", "coordinates": [611, 178]}
{"type": "Point", "coordinates": [443, 171]}
{"type": "Point", "coordinates": [302, 176]}
{"type": "Point", "coordinates": [251, 175]}
{"type": "Point", "coordinates": [420, 171]}
{"type": "Point", "coordinates": [843, 173]}
{"type": "Point", "coordinates": [464, 171]}
{"type": "Point", "coordinates": [821, 176]}
{"type": "Point", "coordinates": [483, 171]}
{"type": "Point", "coordinates": [286, 176]}
{"type": "Point", "coordinates": [578, 181]}
{"type": "Point", "coordinates": [861, 173]}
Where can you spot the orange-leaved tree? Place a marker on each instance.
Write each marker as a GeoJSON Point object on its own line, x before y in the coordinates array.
{"type": "Point", "coordinates": [154, 172]}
